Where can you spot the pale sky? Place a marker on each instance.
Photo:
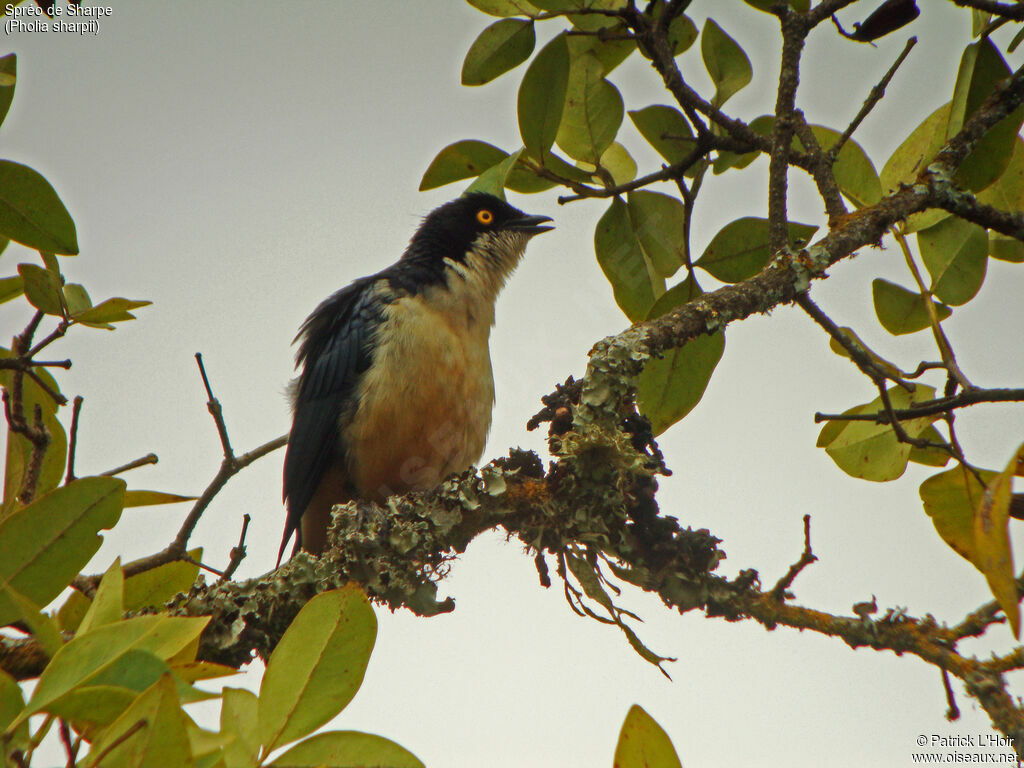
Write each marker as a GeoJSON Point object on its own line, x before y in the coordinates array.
{"type": "Point", "coordinates": [236, 162]}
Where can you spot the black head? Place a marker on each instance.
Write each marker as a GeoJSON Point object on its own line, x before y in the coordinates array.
{"type": "Point", "coordinates": [451, 230]}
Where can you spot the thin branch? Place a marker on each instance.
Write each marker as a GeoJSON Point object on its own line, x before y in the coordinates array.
{"type": "Point", "coordinates": [149, 458]}
{"type": "Point", "coordinates": [824, 10]}
{"type": "Point", "coordinates": [860, 355]}
{"type": "Point", "coordinates": [213, 404]}
{"type": "Point", "coordinates": [237, 552]}
{"type": "Point", "coordinates": [779, 591]}
{"type": "Point", "coordinates": [873, 98]}
{"type": "Point", "coordinates": [941, 341]}
{"type": "Point", "coordinates": [821, 170]}
{"type": "Point", "coordinates": [952, 711]}
{"type": "Point", "coordinates": [76, 410]}
{"type": "Point", "coordinates": [70, 747]}
{"type": "Point", "coordinates": [931, 407]}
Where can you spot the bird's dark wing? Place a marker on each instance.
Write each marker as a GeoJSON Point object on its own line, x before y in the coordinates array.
{"type": "Point", "coordinates": [334, 352]}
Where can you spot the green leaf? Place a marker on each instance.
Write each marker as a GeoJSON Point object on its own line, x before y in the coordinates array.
{"type": "Point", "coordinates": [206, 746]}
{"type": "Point", "coordinates": [982, 68]}
{"type": "Point", "coordinates": [643, 743]}
{"type": "Point", "coordinates": [916, 151]}
{"type": "Point", "coordinates": [110, 311]}
{"type": "Point", "coordinates": [950, 499]}
{"type": "Point", "coordinates": [347, 748]}
{"type": "Point", "coordinates": [8, 79]}
{"type": "Point", "coordinates": [541, 99]}
{"type": "Point", "coordinates": [869, 450]}
{"type": "Point", "coordinates": [151, 733]}
{"type": "Point", "coordinates": [123, 654]}
{"type": "Point", "coordinates": [658, 222]}
{"type": "Point", "coordinates": [676, 296]}
{"type": "Point", "coordinates": [151, 498]}
{"type": "Point", "coordinates": [593, 111]}
{"type": "Point", "coordinates": [1007, 193]}
{"type": "Point", "coordinates": [42, 627]}
{"type": "Point", "coordinates": [926, 218]}
{"type": "Point", "coordinates": [11, 288]}
{"type": "Point", "coordinates": [619, 163]}
{"type": "Point", "coordinates": [610, 52]}
{"type": "Point", "coordinates": [239, 718]}
{"type": "Point", "coordinates": [726, 62]}
{"type": "Point", "coordinates": [901, 311]}
{"type": "Point", "coordinates": [43, 546]}
{"type": "Point", "coordinates": [107, 606]}
{"type": "Point", "coordinates": [317, 667]}
{"type": "Point", "coordinates": [11, 705]}
{"type": "Point", "coordinates": [494, 179]}
{"type": "Point", "coordinates": [666, 130]}
{"type": "Point", "coordinates": [504, 45]}
{"type": "Point", "coordinates": [590, 22]}
{"type": "Point", "coordinates": [740, 249]}
{"type": "Point", "coordinates": [42, 288]}
{"type": "Point", "coordinates": [1005, 248]}
{"type": "Point", "coordinates": [955, 252]}
{"type": "Point", "coordinates": [461, 160]}
{"type": "Point", "coordinates": [153, 588]}
{"type": "Point", "coordinates": [634, 280]}
{"type": "Point", "coordinates": [71, 613]}
{"type": "Point", "coordinates": [1016, 41]}
{"type": "Point", "coordinates": [505, 7]}
{"type": "Point", "coordinates": [992, 541]}
{"type": "Point", "coordinates": [682, 33]}
{"type": "Point", "coordinates": [96, 705]}
{"type": "Point", "coordinates": [76, 298]}
{"type": "Point", "coordinates": [671, 386]}
{"type": "Point", "coordinates": [524, 180]}
{"type": "Point", "coordinates": [979, 20]}
{"type": "Point", "coordinates": [31, 213]}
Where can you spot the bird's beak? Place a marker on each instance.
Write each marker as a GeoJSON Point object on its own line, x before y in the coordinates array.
{"type": "Point", "coordinates": [532, 225]}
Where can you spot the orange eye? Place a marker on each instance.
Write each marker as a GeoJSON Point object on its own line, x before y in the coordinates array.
{"type": "Point", "coordinates": [485, 217]}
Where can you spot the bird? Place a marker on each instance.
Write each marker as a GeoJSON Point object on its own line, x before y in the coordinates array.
{"type": "Point", "coordinates": [395, 388]}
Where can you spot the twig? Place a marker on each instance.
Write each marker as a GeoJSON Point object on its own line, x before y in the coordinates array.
{"type": "Point", "coordinates": [941, 341]}
{"type": "Point", "coordinates": [821, 170]}
{"type": "Point", "coordinates": [931, 407]}
{"type": "Point", "coordinates": [71, 749]}
{"type": "Point", "coordinates": [237, 552]}
{"type": "Point", "coordinates": [873, 98]}
{"type": "Point", "coordinates": [859, 354]}
{"type": "Point", "coordinates": [176, 549]}
{"type": "Point", "coordinates": [824, 10]}
{"type": "Point", "coordinates": [953, 712]}
{"type": "Point", "coordinates": [76, 409]}
{"type": "Point", "coordinates": [213, 404]}
{"type": "Point", "coordinates": [57, 397]}
{"type": "Point", "coordinates": [229, 467]}
{"type": "Point", "coordinates": [149, 458]}
{"type": "Point", "coordinates": [806, 558]}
